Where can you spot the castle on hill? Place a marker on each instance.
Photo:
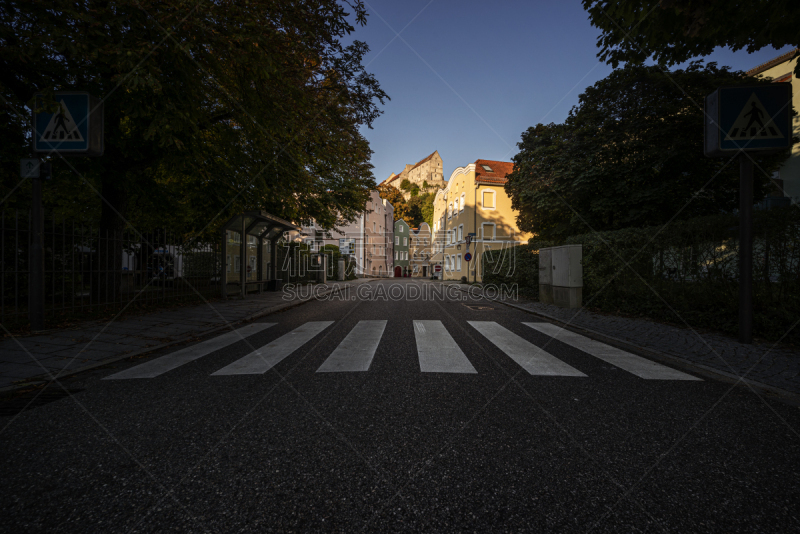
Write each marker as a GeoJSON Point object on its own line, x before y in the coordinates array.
{"type": "Point", "coordinates": [428, 170]}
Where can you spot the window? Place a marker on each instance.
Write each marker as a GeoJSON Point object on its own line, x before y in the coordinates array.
{"type": "Point", "coordinates": [229, 263]}
{"type": "Point", "coordinates": [236, 264]}
{"type": "Point", "coordinates": [463, 201]}
{"type": "Point", "coordinates": [458, 262]}
{"type": "Point", "coordinates": [487, 168]}
{"type": "Point", "coordinates": [405, 241]}
{"type": "Point", "coordinates": [488, 230]}
{"type": "Point", "coordinates": [396, 240]}
{"type": "Point", "coordinates": [455, 208]}
{"type": "Point", "coordinates": [488, 199]}
{"type": "Point", "coordinates": [449, 210]}
{"type": "Point", "coordinates": [460, 232]}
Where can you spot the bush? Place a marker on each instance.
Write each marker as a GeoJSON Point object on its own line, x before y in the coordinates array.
{"type": "Point", "coordinates": [685, 273]}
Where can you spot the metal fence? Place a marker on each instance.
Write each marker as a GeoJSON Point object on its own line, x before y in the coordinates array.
{"type": "Point", "coordinates": [88, 272]}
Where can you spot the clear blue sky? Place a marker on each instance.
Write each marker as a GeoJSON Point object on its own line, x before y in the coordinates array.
{"type": "Point", "coordinates": [467, 77]}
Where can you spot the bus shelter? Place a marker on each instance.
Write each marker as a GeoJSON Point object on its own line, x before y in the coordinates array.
{"type": "Point", "coordinates": [250, 245]}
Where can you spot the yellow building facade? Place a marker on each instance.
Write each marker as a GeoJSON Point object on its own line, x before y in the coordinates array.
{"type": "Point", "coordinates": [781, 69]}
{"type": "Point", "coordinates": [475, 204]}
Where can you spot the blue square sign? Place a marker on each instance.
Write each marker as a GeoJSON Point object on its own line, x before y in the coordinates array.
{"type": "Point", "coordinates": [76, 128]}
{"type": "Point", "coordinates": [748, 118]}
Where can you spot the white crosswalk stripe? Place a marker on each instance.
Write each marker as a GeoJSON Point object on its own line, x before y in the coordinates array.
{"type": "Point", "coordinates": [262, 360]}
{"type": "Point", "coordinates": [438, 351]}
{"type": "Point", "coordinates": [641, 367]}
{"type": "Point", "coordinates": [172, 361]}
{"type": "Point", "coordinates": [533, 359]}
{"type": "Point", "coordinates": [356, 351]}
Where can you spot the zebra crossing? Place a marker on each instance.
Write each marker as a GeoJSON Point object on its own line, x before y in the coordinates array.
{"type": "Point", "coordinates": [437, 351]}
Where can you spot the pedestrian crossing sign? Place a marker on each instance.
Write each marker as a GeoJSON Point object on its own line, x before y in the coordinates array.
{"type": "Point", "coordinates": [75, 126]}
{"type": "Point", "coordinates": [748, 118]}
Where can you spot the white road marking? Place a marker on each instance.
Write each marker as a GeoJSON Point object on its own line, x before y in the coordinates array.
{"type": "Point", "coordinates": [530, 357]}
{"type": "Point", "coordinates": [262, 360]}
{"type": "Point", "coordinates": [356, 351]}
{"type": "Point", "coordinates": [641, 367]}
{"type": "Point", "coordinates": [438, 351]}
{"type": "Point", "coordinates": [174, 360]}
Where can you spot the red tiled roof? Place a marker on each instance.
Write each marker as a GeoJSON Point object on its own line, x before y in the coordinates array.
{"type": "Point", "coordinates": [500, 169]}
{"type": "Point", "coordinates": [773, 62]}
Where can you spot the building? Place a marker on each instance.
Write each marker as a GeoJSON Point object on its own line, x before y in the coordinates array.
{"type": "Point", "coordinates": [401, 235]}
{"type": "Point", "coordinates": [369, 239]}
{"type": "Point", "coordinates": [781, 69]}
{"type": "Point", "coordinates": [377, 254]}
{"type": "Point", "coordinates": [427, 170]}
{"type": "Point", "coordinates": [475, 204]}
{"type": "Point", "coordinates": [420, 251]}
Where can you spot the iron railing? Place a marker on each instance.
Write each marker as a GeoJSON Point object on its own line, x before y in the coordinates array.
{"type": "Point", "coordinates": [87, 271]}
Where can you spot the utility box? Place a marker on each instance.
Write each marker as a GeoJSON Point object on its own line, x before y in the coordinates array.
{"type": "Point", "coordinates": [546, 276]}
{"type": "Point", "coordinates": [565, 276]}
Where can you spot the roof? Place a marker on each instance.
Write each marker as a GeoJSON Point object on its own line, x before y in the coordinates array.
{"type": "Point", "coordinates": [774, 62]}
{"type": "Point", "coordinates": [420, 162]}
{"type": "Point", "coordinates": [500, 169]}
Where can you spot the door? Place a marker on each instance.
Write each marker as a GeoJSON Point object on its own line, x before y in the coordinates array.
{"type": "Point", "coordinates": [424, 271]}
{"type": "Point", "coordinates": [398, 272]}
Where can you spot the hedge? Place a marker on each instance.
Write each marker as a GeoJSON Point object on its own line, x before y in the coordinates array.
{"type": "Point", "coordinates": [684, 273]}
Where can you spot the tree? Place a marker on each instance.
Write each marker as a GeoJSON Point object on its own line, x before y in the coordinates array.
{"type": "Point", "coordinates": [423, 203]}
{"type": "Point", "coordinates": [210, 108]}
{"type": "Point", "coordinates": [405, 185]}
{"type": "Point", "coordinates": [629, 155]}
{"type": "Point", "coordinates": [674, 31]}
{"type": "Point", "coordinates": [402, 209]}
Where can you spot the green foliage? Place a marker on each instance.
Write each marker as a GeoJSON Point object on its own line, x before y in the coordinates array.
{"type": "Point", "coordinates": [405, 185]}
{"type": "Point", "coordinates": [687, 271]}
{"type": "Point", "coordinates": [629, 155]}
{"type": "Point", "coordinates": [209, 109]}
{"type": "Point", "coordinates": [423, 208]}
{"type": "Point", "coordinates": [408, 211]}
{"type": "Point", "coordinates": [674, 31]}
{"type": "Point", "coordinates": [425, 185]}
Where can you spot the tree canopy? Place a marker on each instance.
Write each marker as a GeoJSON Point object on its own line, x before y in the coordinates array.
{"type": "Point", "coordinates": [675, 31]}
{"type": "Point", "coordinates": [630, 154]}
{"type": "Point", "coordinates": [402, 209]}
{"type": "Point", "coordinates": [210, 108]}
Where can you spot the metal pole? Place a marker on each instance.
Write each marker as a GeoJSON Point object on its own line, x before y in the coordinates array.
{"type": "Point", "coordinates": [36, 287]}
{"type": "Point", "coordinates": [745, 249]}
{"type": "Point", "coordinates": [243, 259]}
{"type": "Point", "coordinates": [223, 275]}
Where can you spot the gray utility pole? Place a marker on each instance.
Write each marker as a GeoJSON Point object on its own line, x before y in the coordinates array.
{"type": "Point", "coordinates": [745, 248]}
{"type": "Point", "coordinates": [36, 279]}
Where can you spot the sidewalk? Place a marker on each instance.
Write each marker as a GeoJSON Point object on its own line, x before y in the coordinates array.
{"type": "Point", "coordinates": [31, 359]}
{"type": "Point", "coordinates": [759, 364]}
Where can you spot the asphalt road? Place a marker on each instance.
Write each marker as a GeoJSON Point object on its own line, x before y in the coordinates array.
{"type": "Point", "coordinates": [394, 448]}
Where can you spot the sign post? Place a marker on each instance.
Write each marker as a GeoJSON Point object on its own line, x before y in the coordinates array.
{"type": "Point", "coordinates": [75, 127]}
{"type": "Point", "coordinates": [36, 275]}
{"type": "Point", "coordinates": [739, 120]}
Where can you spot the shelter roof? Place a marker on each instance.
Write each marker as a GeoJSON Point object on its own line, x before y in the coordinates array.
{"type": "Point", "coordinates": [260, 223]}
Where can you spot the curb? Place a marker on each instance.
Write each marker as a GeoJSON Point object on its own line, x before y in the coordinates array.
{"type": "Point", "coordinates": [698, 368]}
{"type": "Point", "coordinates": [39, 380]}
